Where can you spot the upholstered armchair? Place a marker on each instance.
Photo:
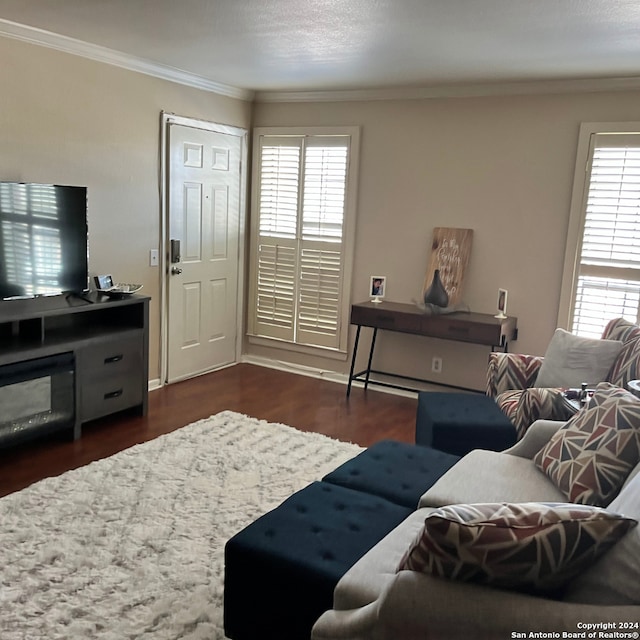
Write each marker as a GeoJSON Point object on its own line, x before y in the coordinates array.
{"type": "Point", "coordinates": [512, 378]}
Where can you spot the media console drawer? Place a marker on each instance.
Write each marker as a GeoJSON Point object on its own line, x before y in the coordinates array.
{"type": "Point", "coordinates": [110, 372]}
{"type": "Point", "coordinates": [113, 355]}
{"type": "Point", "coordinates": [108, 395]}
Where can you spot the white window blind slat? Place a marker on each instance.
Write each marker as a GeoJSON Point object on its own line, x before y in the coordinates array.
{"type": "Point", "coordinates": [319, 298]}
{"type": "Point", "coordinates": [276, 285]}
{"type": "Point", "coordinates": [324, 193]}
{"type": "Point", "coordinates": [598, 300]}
{"type": "Point", "coordinates": [279, 185]}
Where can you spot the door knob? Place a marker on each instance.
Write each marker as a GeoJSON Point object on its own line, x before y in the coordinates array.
{"type": "Point", "coordinates": [176, 271]}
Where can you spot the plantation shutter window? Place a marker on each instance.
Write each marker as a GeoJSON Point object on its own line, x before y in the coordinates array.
{"type": "Point", "coordinates": [300, 238]}
{"type": "Point", "coordinates": [277, 245]}
{"type": "Point", "coordinates": [608, 267]}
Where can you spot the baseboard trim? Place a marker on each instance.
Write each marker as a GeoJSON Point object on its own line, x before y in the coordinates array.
{"type": "Point", "coordinates": [320, 374]}
{"type": "Point", "coordinates": [311, 372]}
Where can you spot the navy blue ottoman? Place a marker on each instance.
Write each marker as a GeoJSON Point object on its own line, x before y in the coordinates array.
{"type": "Point", "coordinates": [281, 570]}
{"type": "Point", "coordinates": [397, 471]}
{"type": "Point", "coordinates": [460, 422]}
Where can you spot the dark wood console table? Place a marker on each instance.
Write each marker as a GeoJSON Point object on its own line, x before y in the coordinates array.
{"type": "Point", "coordinates": [477, 328]}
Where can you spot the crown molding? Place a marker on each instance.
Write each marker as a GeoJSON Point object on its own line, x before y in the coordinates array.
{"type": "Point", "coordinates": [455, 91]}
{"type": "Point", "coordinates": [41, 37]}
{"type": "Point", "coordinates": [33, 35]}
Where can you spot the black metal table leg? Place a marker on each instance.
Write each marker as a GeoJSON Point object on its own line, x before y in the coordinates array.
{"type": "Point", "coordinates": [353, 360]}
{"type": "Point", "coordinates": [373, 345]}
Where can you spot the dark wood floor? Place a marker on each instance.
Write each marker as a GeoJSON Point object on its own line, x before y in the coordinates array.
{"type": "Point", "coordinates": [299, 401]}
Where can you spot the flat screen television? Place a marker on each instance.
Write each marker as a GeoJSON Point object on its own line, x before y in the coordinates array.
{"type": "Point", "coordinates": [43, 240]}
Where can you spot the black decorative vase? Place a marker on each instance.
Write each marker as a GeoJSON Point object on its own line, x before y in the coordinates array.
{"type": "Point", "coordinates": [436, 294]}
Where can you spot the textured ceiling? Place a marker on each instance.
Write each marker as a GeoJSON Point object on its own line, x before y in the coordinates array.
{"type": "Point", "coordinates": [306, 45]}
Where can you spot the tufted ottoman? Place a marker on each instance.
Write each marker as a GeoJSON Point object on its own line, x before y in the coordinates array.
{"type": "Point", "coordinates": [460, 422]}
{"type": "Point", "coordinates": [397, 471]}
{"type": "Point", "coordinates": [281, 570]}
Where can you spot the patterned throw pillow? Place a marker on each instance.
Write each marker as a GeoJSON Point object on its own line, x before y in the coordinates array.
{"type": "Point", "coordinates": [591, 456]}
{"type": "Point", "coordinates": [531, 546]}
{"type": "Point", "coordinates": [606, 391]}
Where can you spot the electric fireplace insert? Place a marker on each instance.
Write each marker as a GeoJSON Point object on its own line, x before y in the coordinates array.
{"type": "Point", "coordinates": [37, 397]}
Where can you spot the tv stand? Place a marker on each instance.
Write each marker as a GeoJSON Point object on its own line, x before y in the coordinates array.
{"type": "Point", "coordinates": [108, 343]}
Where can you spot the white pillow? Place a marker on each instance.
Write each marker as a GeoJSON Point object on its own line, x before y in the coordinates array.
{"type": "Point", "coordinates": [571, 360]}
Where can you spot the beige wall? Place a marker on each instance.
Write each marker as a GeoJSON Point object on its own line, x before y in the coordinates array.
{"type": "Point", "coordinates": [502, 166]}
{"type": "Point", "coordinates": [65, 119]}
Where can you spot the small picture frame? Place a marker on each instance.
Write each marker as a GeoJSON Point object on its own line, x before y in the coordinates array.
{"type": "Point", "coordinates": [502, 303]}
{"type": "Point", "coordinates": [377, 288]}
{"type": "Point", "coordinates": [103, 282]}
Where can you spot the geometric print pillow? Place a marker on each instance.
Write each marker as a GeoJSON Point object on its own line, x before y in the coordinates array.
{"type": "Point", "coordinates": [605, 391]}
{"type": "Point", "coordinates": [591, 456]}
{"type": "Point", "coordinates": [529, 546]}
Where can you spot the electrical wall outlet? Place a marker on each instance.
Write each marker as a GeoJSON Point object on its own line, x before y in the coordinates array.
{"type": "Point", "coordinates": [436, 364]}
{"type": "Point", "coordinates": [153, 258]}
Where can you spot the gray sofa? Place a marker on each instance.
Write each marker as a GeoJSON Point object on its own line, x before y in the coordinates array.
{"type": "Point", "coordinates": [375, 601]}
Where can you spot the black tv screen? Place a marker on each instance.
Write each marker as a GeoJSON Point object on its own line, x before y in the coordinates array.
{"type": "Point", "coordinates": [43, 240]}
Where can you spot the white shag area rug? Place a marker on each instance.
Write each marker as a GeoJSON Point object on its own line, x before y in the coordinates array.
{"type": "Point", "coordinates": [132, 546]}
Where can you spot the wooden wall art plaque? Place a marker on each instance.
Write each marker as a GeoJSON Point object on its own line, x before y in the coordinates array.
{"type": "Point", "coordinates": [450, 252]}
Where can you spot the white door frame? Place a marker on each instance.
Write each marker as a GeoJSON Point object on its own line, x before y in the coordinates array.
{"type": "Point", "coordinates": [165, 120]}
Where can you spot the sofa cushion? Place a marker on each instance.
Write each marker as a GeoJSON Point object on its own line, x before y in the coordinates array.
{"type": "Point", "coordinates": [591, 456]}
{"type": "Point", "coordinates": [536, 546]}
{"type": "Point", "coordinates": [489, 476]}
{"type": "Point", "coordinates": [615, 578]}
{"type": "Point", "coordinates": [368, 578]}
{"type": "Point", "coordinates": [571, 360]}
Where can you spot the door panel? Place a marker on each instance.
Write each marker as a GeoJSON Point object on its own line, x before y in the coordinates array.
{"type": "Point", "coordinates": [218, 297]}
{"type": "Point", "coordinates": [204, 214]}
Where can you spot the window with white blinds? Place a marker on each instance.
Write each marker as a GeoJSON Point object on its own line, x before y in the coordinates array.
{"type": "Point", "coordinates": [303, 212]}
{"type": "Point", "coordinates": [608, 266]}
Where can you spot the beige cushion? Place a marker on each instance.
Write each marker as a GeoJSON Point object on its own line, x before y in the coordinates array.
{"type": "Point", "coordinates": [591, 456]}
{"type": "Point", "coordinates": [490, 476]}
{"type": "Point", "coordinates": [615, 578]}
{"type": "Point", "coordinates": [531, 545]}
{"type": "Point", "coordinates": [571, 360]}
{"type": "Point", "coordinates": [367, 579]}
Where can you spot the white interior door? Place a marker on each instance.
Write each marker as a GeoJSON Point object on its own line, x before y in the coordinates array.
{"type": "Point", "coordinates": [204, 213]}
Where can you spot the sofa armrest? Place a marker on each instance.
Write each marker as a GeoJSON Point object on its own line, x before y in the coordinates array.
{"type": "Point", "coordinates": [450, 609]}
{"type": "Point", "coordinates": [536, 436]}
{"type": "Point", "coordinates": [415, 606]}
{"type": "Point", "coordinates": [509, 371]}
